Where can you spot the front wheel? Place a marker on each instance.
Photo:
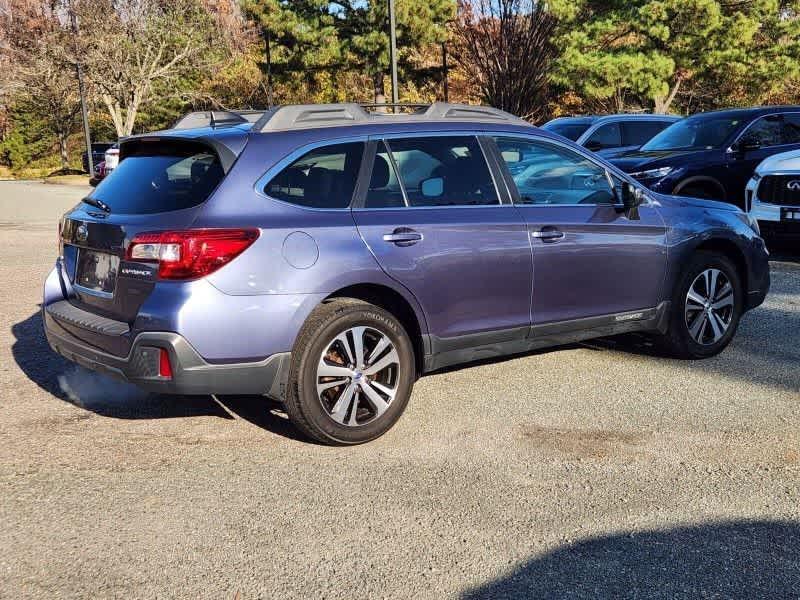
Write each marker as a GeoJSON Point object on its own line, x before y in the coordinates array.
{"type": "Point", "coordinates": [707, 304]}
{"type": "Point", "coordinates": [352, 373]}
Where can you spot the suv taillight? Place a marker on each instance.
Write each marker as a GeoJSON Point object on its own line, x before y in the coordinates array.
{"type": "Point", "coordinates": [190, 254]}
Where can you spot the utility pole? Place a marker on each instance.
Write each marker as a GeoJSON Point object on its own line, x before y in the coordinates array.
{"type": "Point", "coordinates": [268, 56]}
{"type": "Point", "coordinates": [82, 92]}
{"type": "Point", "coordinates": [393, 53]}
{"type": "Point", "coordinates": [444, 72]}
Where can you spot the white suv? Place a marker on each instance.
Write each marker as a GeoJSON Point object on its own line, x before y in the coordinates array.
{"type": "Point", "coordinates": [112, 159]}
{"type": "Point", "coordinates": [773, 194]}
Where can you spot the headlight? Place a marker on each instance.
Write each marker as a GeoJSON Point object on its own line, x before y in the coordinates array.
{"type": "Point", "coordinates": [653, 173]}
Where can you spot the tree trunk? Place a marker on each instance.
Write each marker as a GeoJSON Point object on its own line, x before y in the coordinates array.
{"type": "Point", "coordinates": [380, 90]}
{"type": "Point", "coordinates": [115, 112]}
{"type": "Point", "coordinates": [62, 147]}
{"type": "Point", "coordinates": [661, 105]}
{"type": "Point", "coordinates": [133, 110]}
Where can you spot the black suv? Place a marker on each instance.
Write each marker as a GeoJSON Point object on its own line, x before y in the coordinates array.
{"type": "Point", "coordinates": [713, 155]}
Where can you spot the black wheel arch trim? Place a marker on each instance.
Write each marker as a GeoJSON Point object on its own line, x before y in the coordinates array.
{"type": "Point", "coordinates": [703, 180]}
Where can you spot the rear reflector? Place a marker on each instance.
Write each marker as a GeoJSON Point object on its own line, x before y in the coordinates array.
{"type": "Point", "coordinates": [190, 254]}
{"type": "Point", "coordinates": [164, 368]}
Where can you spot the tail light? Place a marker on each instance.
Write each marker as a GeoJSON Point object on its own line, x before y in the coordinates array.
{"type": "Point", "coordinates": [190, 254]}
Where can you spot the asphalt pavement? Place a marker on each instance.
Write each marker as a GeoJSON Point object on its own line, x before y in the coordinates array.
{"type": "Point", "coordinates": [591, 471]}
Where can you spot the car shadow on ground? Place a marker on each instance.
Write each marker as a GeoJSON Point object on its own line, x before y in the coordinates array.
{"type": "Point", "coordinates": [739, 559]}
{"type": "Point", "coordinates": [116, 399]}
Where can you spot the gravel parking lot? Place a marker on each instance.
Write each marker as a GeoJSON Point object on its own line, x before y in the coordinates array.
{"type": "Point", "coordinates": [590, 471]}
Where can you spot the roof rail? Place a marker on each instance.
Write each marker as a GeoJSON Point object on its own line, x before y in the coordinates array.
{"type": "Point", "coordinates": [216, 118]}
{"type": "Point", "coordinates": [304, 116]}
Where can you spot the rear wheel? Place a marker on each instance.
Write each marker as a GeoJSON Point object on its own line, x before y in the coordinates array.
{"type": "Point", "coordinates": [706, 307]}
{"type": "Point", "coordinates": [352, 373]}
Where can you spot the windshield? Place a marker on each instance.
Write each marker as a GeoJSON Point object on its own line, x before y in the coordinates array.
{"type": "Point", "coordinates": [702, 132]}
{"type": "Point", "coordinates": [161, 180]}
{"type": "Point", "coordinates": [571, 130]}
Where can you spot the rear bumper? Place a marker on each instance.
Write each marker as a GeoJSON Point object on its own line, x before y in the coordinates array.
{"type": "Point", "coordinates": [190, 373]}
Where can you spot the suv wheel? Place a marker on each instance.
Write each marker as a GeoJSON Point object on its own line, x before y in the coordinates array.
{"type": "Point", "coordinates": [352, 373]}
{"type": "Point", "coordinates": [706, 307]}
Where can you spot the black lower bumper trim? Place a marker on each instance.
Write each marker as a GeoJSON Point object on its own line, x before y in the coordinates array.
{"type": "Point", "coordinates": [191, 374]}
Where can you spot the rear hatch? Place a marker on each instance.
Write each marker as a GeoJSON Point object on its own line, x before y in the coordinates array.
{"type": "Point", "coordinates": [161, 184]}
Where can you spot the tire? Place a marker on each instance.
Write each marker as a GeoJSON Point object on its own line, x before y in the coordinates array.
{"type": "Point", "coordinates": [351, 405]}
{"type": "Point", "coordinates": [689, 338]}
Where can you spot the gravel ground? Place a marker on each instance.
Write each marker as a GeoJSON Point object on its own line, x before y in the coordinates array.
{"type": "Point", "coordinates": [590, 471]}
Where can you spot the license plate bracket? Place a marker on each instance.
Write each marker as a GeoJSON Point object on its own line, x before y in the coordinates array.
{"type": "Point", "coordinates": [97, 271]}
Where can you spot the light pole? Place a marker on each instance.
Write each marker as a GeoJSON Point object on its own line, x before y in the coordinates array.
{"type": "Point", "coordinates": [82, 92]}
{"type": "Point", "coordinates": [393, 53]}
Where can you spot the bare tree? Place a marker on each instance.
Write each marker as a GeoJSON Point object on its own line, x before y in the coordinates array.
{"type": "Point", "coordinates": [506, 45]}
{"type": "Point", "coordinates": [40, 74]}
{"type": "Point", "coordinates": [138, 51]}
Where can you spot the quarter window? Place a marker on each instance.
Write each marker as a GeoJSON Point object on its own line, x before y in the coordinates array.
{"type": "Point", "coordinates": [548, 174]}
{"type": "Point", "coordinates": [323, 178]}
{"type": "Point", "coordinates": [606, 136]}
{"type": "Point", "coordinates": [431, 171]}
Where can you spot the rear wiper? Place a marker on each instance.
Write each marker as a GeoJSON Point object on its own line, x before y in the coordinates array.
{"type": "Point", "coordinates": [96, 203]}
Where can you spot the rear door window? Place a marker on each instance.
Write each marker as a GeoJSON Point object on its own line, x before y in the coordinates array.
{"type": "Point", "coordinates": [638, 133]}
{"type": "Point", "coordinates": [791, 128]}
{"type": "Point", "coordinates": [431, 171]}
{"type": "Point", "coordinates": [152, 180]}
{"type": "Point", "coordinates": [765, 132]}
{"type": "Point", "coordinates": [323, 178]}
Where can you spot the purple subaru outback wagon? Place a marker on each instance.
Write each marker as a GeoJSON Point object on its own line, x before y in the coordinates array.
{"type": "Point", "coordinates": [328, 257]}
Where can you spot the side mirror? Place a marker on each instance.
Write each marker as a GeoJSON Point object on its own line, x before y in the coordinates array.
{"type": "Point", "coordinates": [432, 187]}
{"type": "Point", "coordinates": [632, 198]}
{"type": "Point", "coordinates": [93, 182]}
{"type": "Point", "coordinates": [746, 146]}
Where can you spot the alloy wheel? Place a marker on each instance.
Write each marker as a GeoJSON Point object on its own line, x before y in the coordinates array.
{"type": "Point", "coordinates": [358, 376]}
{"type": "Point", "coordinates": [709, 306]}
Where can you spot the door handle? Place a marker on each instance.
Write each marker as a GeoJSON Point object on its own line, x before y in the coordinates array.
{"type": "Point", "coordinates": [403, 236]}
{"type": "Point", "coordinates": [548, 234]}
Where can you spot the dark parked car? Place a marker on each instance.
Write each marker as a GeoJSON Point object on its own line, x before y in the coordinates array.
{"type": "Point", "coordinates": [98, 154]}
{"type": "Point", "coordinates": [610, 135]}
{"type": "Point", "coordinates": [714, 154]}
{"type": "Point", "coordinates": [329, 257]}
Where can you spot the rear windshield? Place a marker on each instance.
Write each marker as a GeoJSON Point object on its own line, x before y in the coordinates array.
{"type": "Point", "coordinates": [152, 180]}
{"type": "Point", "coordinates": [571, 130]}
